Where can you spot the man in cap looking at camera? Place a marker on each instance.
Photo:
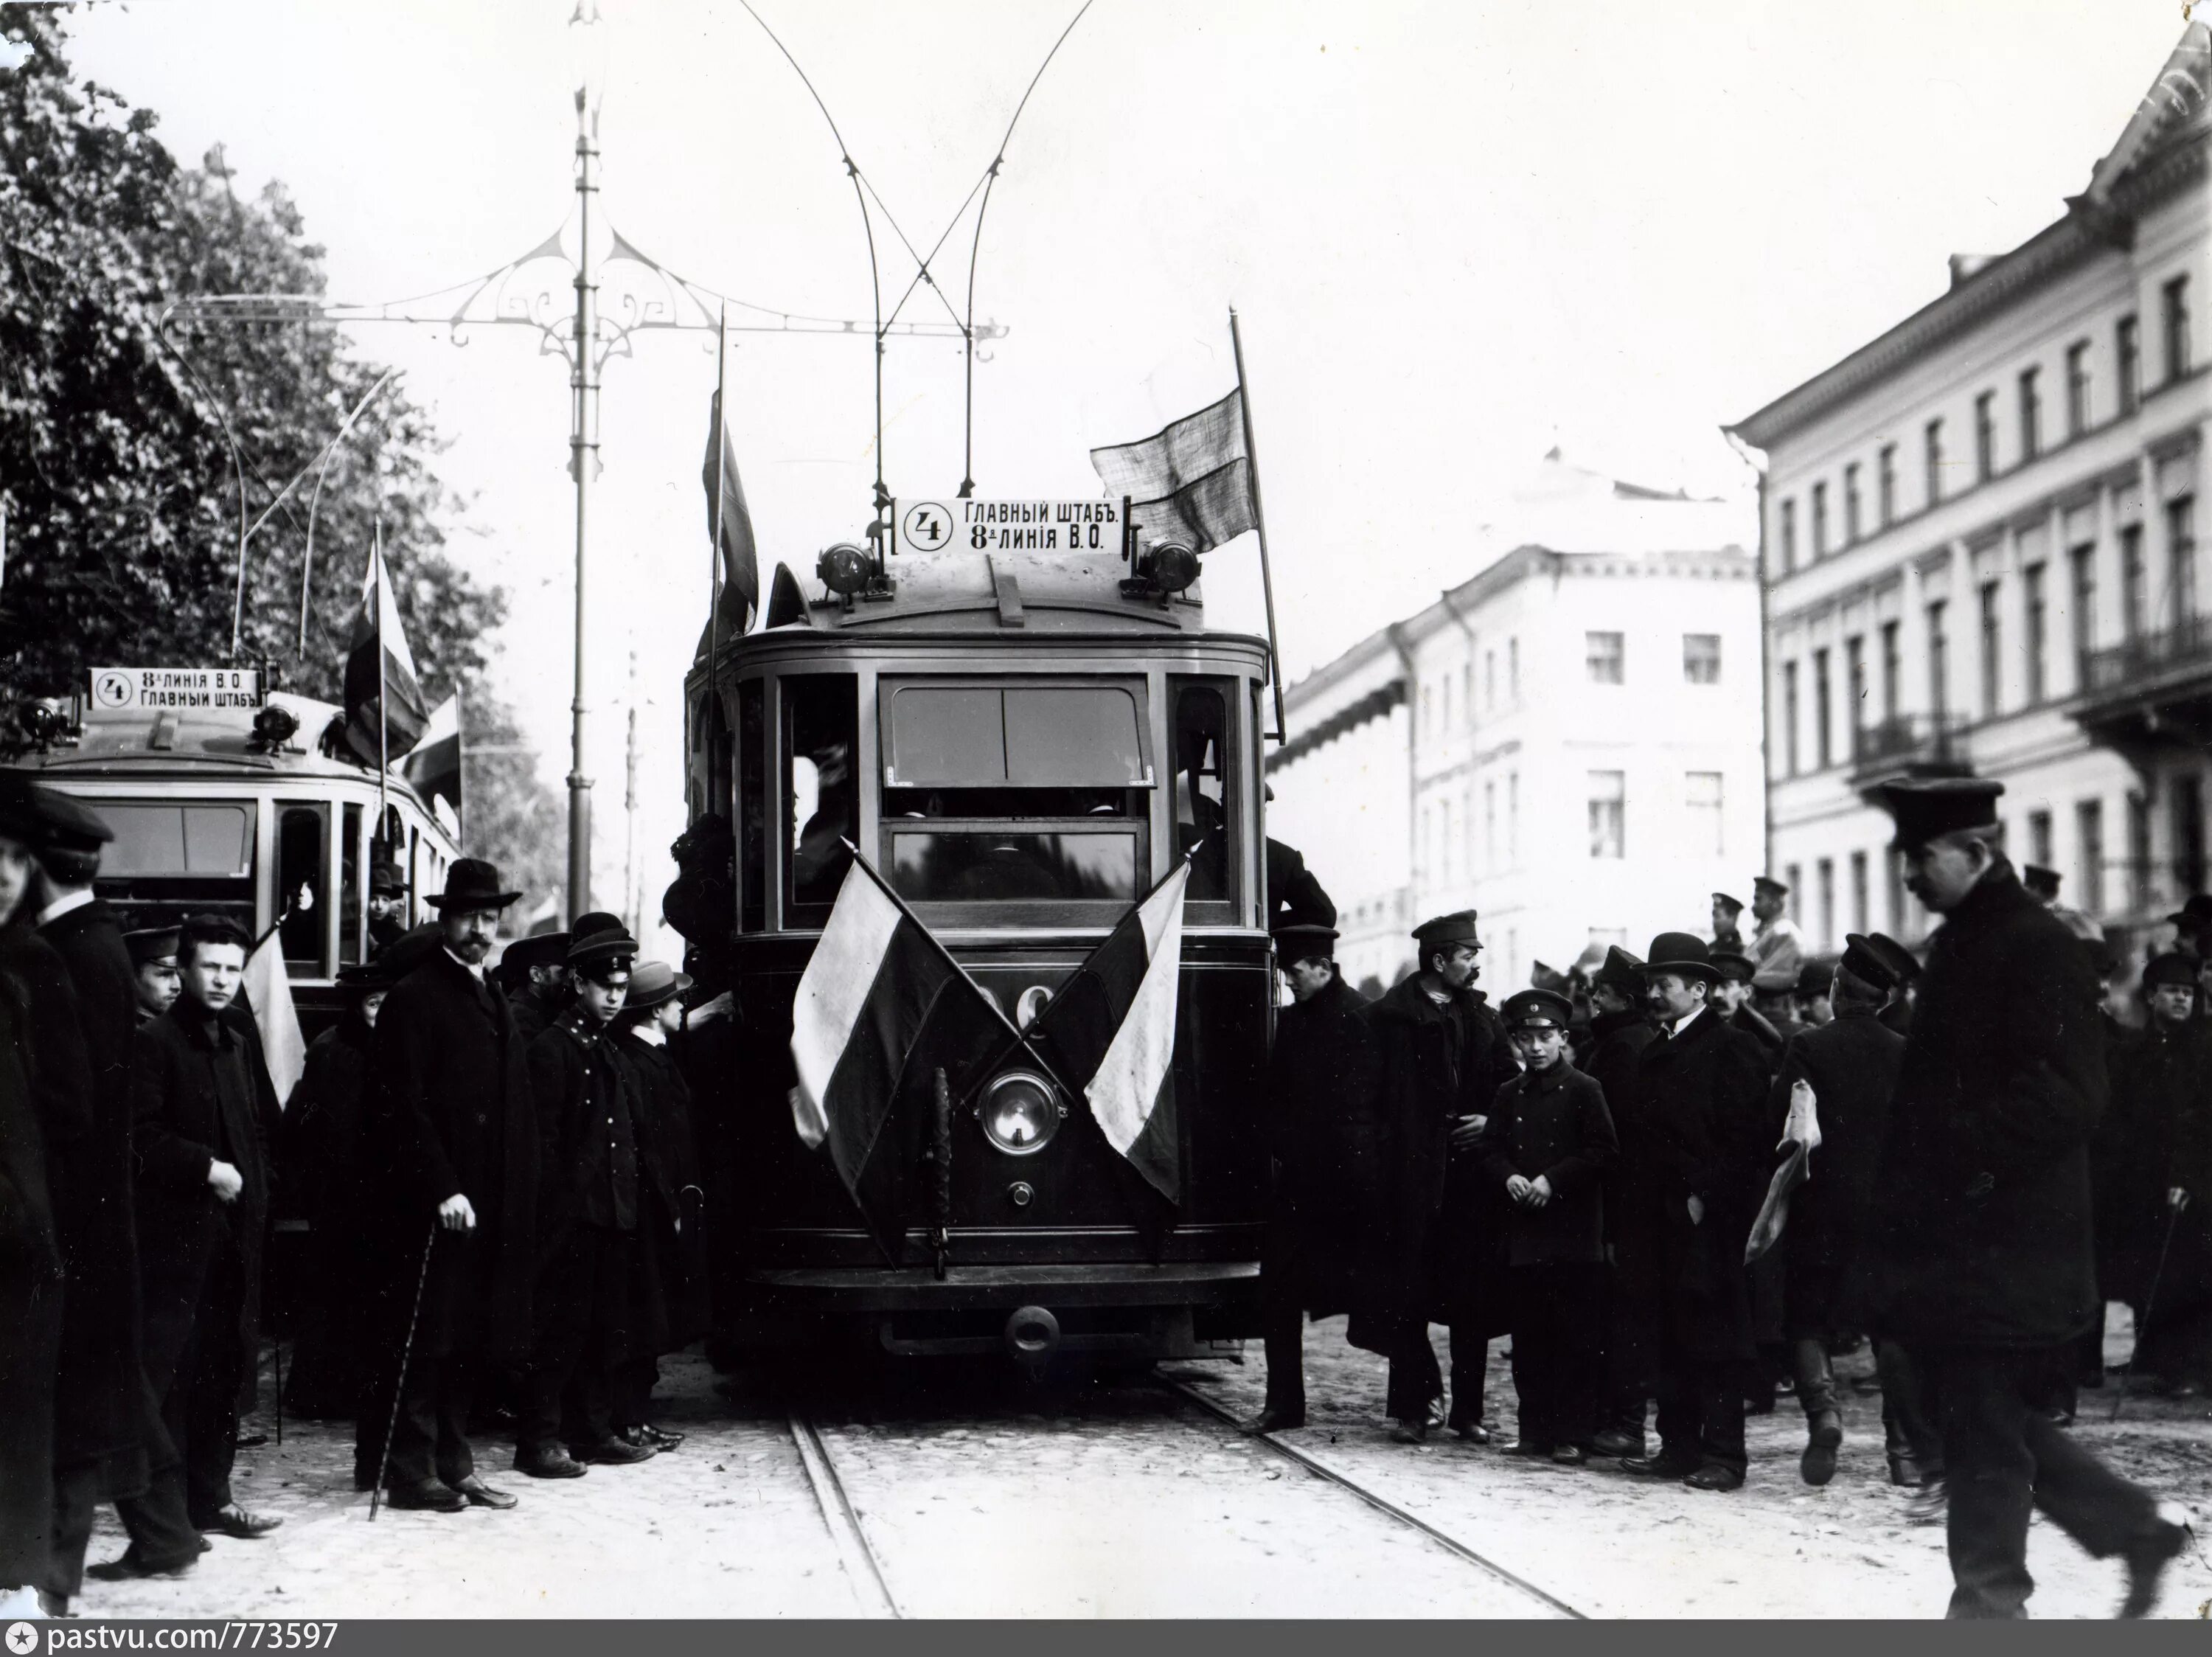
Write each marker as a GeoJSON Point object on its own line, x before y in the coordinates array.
{"type": "Point", "coordinates": [154, 976]}
{"type": "Point", "coordinates": [387, 902]}
{"type": "Point", "coordinates": [1983, 1262]}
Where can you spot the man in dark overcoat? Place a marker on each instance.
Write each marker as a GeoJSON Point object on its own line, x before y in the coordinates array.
{"type": "Point", "coordinates": [2162, 1083]}
{"type": "Point", "coordinates": [110, 1445]}
{"type": "Point", "coordinates": [1323, 1141]}
{"type": "Point", "coordinates": [202, 1098]}
{"type": "Point", "coordinates": [536, 970]}
{"type": "Point", "coordinates": [452, 1144]}
{"type": "Point", "coordinates": [1703, 1092]}
{"type": "Point", "coordinates": [1546, 1147]}
{"type": "Point", "coordinates": [1441, 1055]}
{"type": "Point", "coordinates": [1983, 1262]}
{"type": "Point", "coordinates": [1732, 1001]}
{"type": "Point", "coordinates": [1622, 1027]}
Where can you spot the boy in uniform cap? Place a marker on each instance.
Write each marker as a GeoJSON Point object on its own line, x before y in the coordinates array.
{"type": "Point", "coordinates": [1904, 969]}
{"type": "Point", "coordinates": [154, 976]}
{"type": "Point", "coordinates": [1983, 1265]}
{"type": "Point", "coordinates": [1777, 948]}
{"type": "Point", "coordinates": [1549, 1140]}
{"type": "Point", "coordinates": [588, 1205]}
{"type": "Point", "coordinates": [1441, 1055]}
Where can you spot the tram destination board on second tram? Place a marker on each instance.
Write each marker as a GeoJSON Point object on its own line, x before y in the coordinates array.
{"type": "Point", "coordinates": [1009, 526]}
{"type": "Point", "coordinates": [115, 688]}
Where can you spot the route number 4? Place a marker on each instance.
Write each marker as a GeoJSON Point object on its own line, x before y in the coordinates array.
{"type": "Point", "coordinates": [926, 527]}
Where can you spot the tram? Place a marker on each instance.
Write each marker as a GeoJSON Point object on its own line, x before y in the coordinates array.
{"type": "Point", "coordinates": [243, 810]}
{"type": "Point", "coordinates": [1021, 744]}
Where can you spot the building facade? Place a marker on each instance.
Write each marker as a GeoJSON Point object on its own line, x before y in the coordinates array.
{"type": "Point", "coordinates": [1982, 548]}
{"type": "Point", "coordinates": [1567, 743]}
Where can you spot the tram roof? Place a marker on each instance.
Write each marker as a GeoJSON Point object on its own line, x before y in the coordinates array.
{"type": "Point", "coordinates": [964, 593]}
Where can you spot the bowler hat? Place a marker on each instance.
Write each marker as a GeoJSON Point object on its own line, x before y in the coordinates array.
{"type": "Point", "coordinates": [1537, 1009]}
{"type": "Point", "coordinates": [2170, 968]}
{"type": "Point", "coordinates": [1927, 807]}
{"type": "Point", "coordinates": [471, 883]}
{"type": "Point", "coordinates": [592, 921]}
{"type": "Point", "coordinates": [152, 943]}
{"type": "Point", "coordinates": [1734, 966]}
{"type": "Point", "coordinates": [1444, 931]}
{"type": "Point", "coordinates": [1622, 971]}
{"type": "Point", "coordinates": [1684, 954]}
{"type": "Point", "coordinates": [651, 982]}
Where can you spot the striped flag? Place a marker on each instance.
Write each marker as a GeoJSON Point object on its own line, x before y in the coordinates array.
{"type": "Point", "coordinates": [268, 990]}
{"type": "Point", "coordinates": [1191, 481]}
{"type": "Point", "coordinates": [384, 709]}
{"type": "Point", "coordinates": [434, 764]}
{"type": "Point", "coordinates": [1114, 1021]}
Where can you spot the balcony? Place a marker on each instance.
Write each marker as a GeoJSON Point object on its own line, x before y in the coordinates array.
{"type": "Point", "coordinates": [1908, 745]}
{"type": "Point", "coordinates": [2155, 687]}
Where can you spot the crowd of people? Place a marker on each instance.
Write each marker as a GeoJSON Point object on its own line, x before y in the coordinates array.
{"type": "Point", "coordinates": [1684, 1185]}
{"type": "Point", "coordinates": [494, 1174]}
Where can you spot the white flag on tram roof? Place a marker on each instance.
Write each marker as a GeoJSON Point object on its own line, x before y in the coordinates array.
{"type": "Point", "coordinates": [384, 709]}
{"type": "Point", "coordinates": [268, 990]}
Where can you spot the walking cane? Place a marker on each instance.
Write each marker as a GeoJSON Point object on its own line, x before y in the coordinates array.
{"type": "Point", "coordinates": [406, 1350]}
{"type": "Point", "coordinates": [2173, 1218]}
{"type": "Point", "coordinates": [276, 1357]}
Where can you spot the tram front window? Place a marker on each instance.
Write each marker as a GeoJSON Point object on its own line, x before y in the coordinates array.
{"type": "Point", "coordinates": [170, 860]}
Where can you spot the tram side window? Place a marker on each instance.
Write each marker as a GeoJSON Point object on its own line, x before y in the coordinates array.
{"type": "Point", "coordinates": [752, 793]}
{"type": "Point", "coordinates": [350, 900]}
{"type": "Point", "coordinates": [301, 836]}
{"type": "Point", "coordinates": [821, 727]}
{"type": "Point", "coordinates": [1206, 807]}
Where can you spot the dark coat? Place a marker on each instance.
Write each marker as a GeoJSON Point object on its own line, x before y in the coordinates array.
{"type": "Point", "coordinates": [1981, 1225]}
{"type": "Point", "coordinates": [1851, 1065]}
{"type": "Point", "coordinates": [2159, 1078]}
{"type": "Point", "coordinates": [100, 1412]}
{"type": "Point", "coordinates": [326, 1185]}
{"type": "Point", "coordinates": [30, 1305]}
{"type": "Point", "coordinates": [1632, 1217]}
{"type": "Point", "coordinates": [1703, 1093]}
{"type": "Point", "coordinates": [671, 1188]}
{"type": "Point", "coordinates": [179, 1120]}
{"type": "Point", "coordinates": [2185, 1289]}
{"type": "Point", "coordinates": [532, 1014]}
{"type": "Point", "coordinates": [1552, 1124]}
{"type": "Point", "coordinates": [1445, 1259]}
{"type": "Point", "coordinates": [1325, 1138]}
{"type": "Point", "coordinates": [450, 1111]}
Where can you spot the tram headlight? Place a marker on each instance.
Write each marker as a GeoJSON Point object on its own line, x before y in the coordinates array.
{"type": "Point", "coordinates": [1020, 1113]}
{"type": "Point", "coordinates": [843, 569]}
{"type": "Point", "coordinates": [1173, 566]}
{"type": "Point", "coordinates": [273, 727]}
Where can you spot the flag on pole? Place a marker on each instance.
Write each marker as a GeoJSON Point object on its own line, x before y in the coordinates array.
{"type": "Point", "coordinates": [269, 994]}
{"type": "Point", "coordinates": [1114, 1022]}
{"type": "Point", "coordinates": [1191, 481]}
{"type": "Point", "coordinates": [434, 764]}
{"type": "Point", "coordinates": [385, 710]}
{"type": "Point", "coordinates": [733, 523]}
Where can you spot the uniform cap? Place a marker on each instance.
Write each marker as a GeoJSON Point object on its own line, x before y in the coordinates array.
{"type": "Point", "coordinates": [1904, 965]}
{"type": "Point", "coordinates": [1733, 965]}
{"type": "Point", "coordinates": [1445, 930]}
{"type": "Point", "coordinates": [152, 943]}
{"type": "Point", "coordinates": [1681, 953]}
{"type": "Point", "coordinates": [1868, 964]}
{"type": "Point", "coordinates": [66, 823]}
{"type": "Point", "coordinates": [607, 947]}
{"type": "Point", "coordinates": [1299, 941]}
{"type": "Point", "coordinates": [1927, 807]}
{"type": "Point", "coordinates": [1735, 904]}
{"type": "Point", "coordinates": [1768, 883]}
{"type": "Point", "coordinates": [1537, 1009]}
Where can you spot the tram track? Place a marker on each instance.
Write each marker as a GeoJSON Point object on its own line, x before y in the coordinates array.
{"type": "Point", "coordinates": [1336, 1475]}
{"type": "Point", "coordinates": [855, 1555]}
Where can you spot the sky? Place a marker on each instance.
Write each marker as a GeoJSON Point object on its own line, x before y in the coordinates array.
{"type": "Point", "coordinates": [1456, 234]}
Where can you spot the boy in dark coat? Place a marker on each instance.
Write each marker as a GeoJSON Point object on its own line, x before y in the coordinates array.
{"type": "Point", "coordinates": [1546, 1145]}
{"type": "Point", "coordinates": [1983, 1262]}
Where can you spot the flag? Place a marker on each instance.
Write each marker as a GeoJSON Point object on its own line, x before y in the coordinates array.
{"type": "Point", "coordinates": [880, 1005]}
{"type": "Point", "coordinates": [434, 764]}
{"type": "Point", "coordinates": [384, 709]}
{"type": "Point", "coordinates": [1114, 1022]}
{"type": "Point", "coordinates": [740, 558]}
{"type": "Point", "coordinates": [269, 994]}
{"type": "Point", "coordinates": [1190, 482]}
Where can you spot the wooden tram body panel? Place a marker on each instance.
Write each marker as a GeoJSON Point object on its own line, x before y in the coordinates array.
{"type": "Point", "coordinates": [1106, 736]}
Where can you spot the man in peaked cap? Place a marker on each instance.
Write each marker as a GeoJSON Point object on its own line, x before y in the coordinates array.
{"type": "Point", "coordinates": [1777, 947]}
{"type": "Point", "coordinates": [155, 977]}
{"type": "Point", "coordinates": [1728, 911]}
{"type": "Point", "coordinates": [1983, 1266]}
{"type": "Point", "coordinates": [1904, 969]}
{"type": "Point", "coordinates": [1731, 998]}
{"type": "Point", "coordinates": [450, 1125]}
{"type": "Point", "coordinates": [1441, 1055]}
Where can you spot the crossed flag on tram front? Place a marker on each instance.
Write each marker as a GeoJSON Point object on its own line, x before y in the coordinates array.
{"type": "Point", "coordinates": [883, 1005]}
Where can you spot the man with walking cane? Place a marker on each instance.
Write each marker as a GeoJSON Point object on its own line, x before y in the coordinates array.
{"type": "Point", "coordinates": [1982, 1261]}
{"type": "Point", "coordinates": [451, 1140]}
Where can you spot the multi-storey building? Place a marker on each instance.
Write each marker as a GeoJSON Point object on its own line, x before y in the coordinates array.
{"type": "Point", "coordinates": [1982, 550]}
{"type": "Point", "coordinates": [1567, 742]}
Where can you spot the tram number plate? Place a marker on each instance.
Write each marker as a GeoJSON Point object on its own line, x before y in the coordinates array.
{"type": "Point", "coordinates": [1011, 526]}
{"type": "Point", "coordinates": [176, 687]}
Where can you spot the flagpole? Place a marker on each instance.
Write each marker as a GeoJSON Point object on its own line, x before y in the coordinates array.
{"type": "Point", "coordinates": [1259, 520]}
{"type": "Point", "coordinates": [722, 483]}
{"type": "Point", "coordinates": [383, 738]}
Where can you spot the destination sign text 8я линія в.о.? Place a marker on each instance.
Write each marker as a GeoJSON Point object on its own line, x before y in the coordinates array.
{"type": "Point", "coordinates": [176, 687]}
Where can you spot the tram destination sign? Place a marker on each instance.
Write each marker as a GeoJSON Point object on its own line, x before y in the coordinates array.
{"type": "Point", "coordinates": [114, 688]}
{"type": "Point", "coordinates": [1009, 526]}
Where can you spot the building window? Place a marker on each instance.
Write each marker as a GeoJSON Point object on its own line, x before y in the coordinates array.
{"type": "Point", "coordinates": [1788, 536]}
{"type": "Point", "coordinates": [1931, 454]}
{"type": "Point", "coordinates": [1854, 685]}
{"type": "Point", "coordinates": [1513, 670]}
{"type": "Point", "coordinates": [1609, 813]}
{"type": "Point", "coordinates": [1444, 701]}
{"type": "Point", "coordinates": [2038, 838]}
{"type": "Point", "coordinates": [2175, 296]}
{"type": "Point", "coordinates": [1701, 658]}
{"type": "Point", "coordinates": [1824, 873]}
{"type": "Point", "coordinates": [1819, 520]}
{"type": "Point", "coordinates": [1490, 680]}
{"type": "Point", "coordinates": [1886, 484]}
{"type": "Point", "coordinates": [1793, 878]}
{"type": "Point", "coordinates": [1985, 436]}
{"type": "Point", "coordinates": [2181, 556]}
{"type": "Point", "coordinates": [2132, 619]}
{"type": "Point", "coordinates": [1701, 793]}
{"type": "Point", "coordinates": [1790, 717]}
{"type": "Point", "coordinates": [1859, 891]}
{"type": "Point", "coordinates": [2127, 347]}
{"type": "Point", "coordinates": [2077, 388]}
{"type": "Point", "coordinates": [2089, 850]}
{"type": "Point", "coordinates": [1892, 665]}
{"type": "Point", "coordinates": [2189, 833]}
{"type": "Point", "coordinates": [1992, 641]}
{"type": "Point", "coordinates": [1512, 818]}
{"type": "Point", "coordinates": [2082, 563]}
{"type": "Point", "coordinates": [1490, 825]}
{"type": "Point", "coordinates": [1939, 661]}
{"type": "Point", "coordinates": [1429, 710]}
{"type": "Point", "coordinates": [1606, 655]}
{"type": "Point", "coordinates": [1466, 691]}
{"type": "Point", "coordinates": [2036, 619]}
{"type": "Point", "coordinates": [1821, 712]}
{"type": "Point", "coordinates": [2031, 413]}
{"type": "Point", "coordinates": [2138, 853]}
{"type": "Point", "coordinates": [1851, 505]}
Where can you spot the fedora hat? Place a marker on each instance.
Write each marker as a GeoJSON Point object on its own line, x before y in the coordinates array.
{"type": "Point", "coordinates": [471, 883]}
{"type": "Point", "coordinates": [651, 982]}
{"type": "Point", "coordinates": [1683, 953]}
